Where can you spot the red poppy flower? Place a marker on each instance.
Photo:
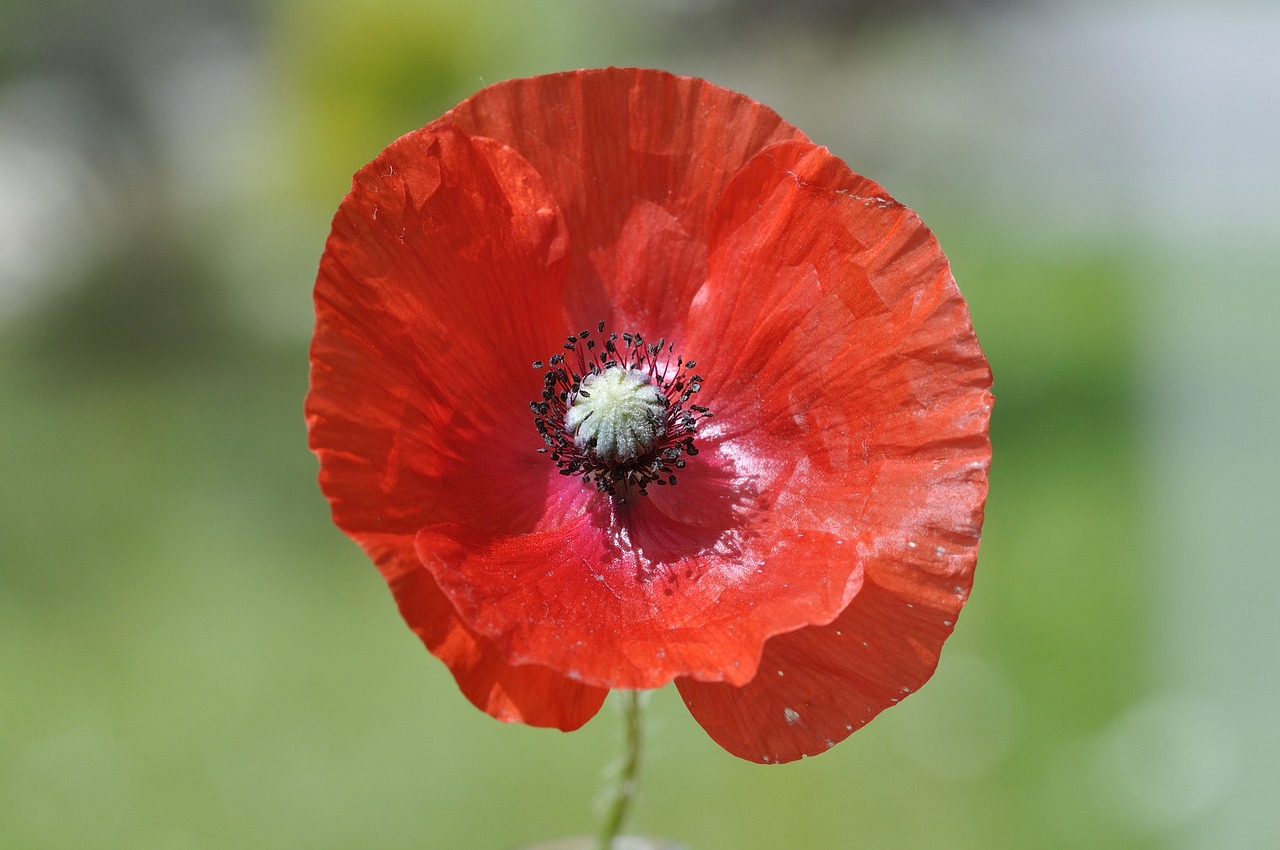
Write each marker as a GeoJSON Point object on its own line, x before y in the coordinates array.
{"type": "Point", "coordinates": [752, 458]}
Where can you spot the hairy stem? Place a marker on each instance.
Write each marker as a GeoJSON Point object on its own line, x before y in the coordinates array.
{"type": "Point", "coordinates": [624, 795]}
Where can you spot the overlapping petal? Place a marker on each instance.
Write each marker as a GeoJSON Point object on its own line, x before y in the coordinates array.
{"type": "Point", "coordinates": [687, 582]}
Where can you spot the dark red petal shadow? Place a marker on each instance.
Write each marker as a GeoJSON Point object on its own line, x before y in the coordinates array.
{"type": "Point", "coordinates": [439, 285]}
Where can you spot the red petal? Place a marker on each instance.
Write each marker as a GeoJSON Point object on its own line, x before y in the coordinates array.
{"type": "Point", "coordinates": [832, 339]}
{"type": "Point", "coordinates": [818, 685]}
{"type": "Point", "coordinates": [621, 148]}
{"type": "Point", "coordinates": [822, 285]}
{"type": "Point", "coordinates": [635, 595]}
{"type": "Point", "coordinates": [439, 286]}
{"type": "Point", "coordinates": [435, 295]}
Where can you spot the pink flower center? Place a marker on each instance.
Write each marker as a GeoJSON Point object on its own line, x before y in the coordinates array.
{"type": "Point", "coordinates": [618, 415]}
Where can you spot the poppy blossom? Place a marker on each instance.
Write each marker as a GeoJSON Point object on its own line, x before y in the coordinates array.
{"type": "Point", "coordinates": [620, 380]}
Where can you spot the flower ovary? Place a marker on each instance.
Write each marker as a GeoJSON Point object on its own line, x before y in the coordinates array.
{"type": "Point", "coordinates": [616, 414]}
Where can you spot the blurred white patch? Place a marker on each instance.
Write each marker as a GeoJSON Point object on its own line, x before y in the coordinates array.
{"type": "Point", "coordinates": [227, 154]}
{"type": "Point", "coordinates": [203, 102]}
{"type": "Point", "coordinates": [52, 204]}
{"type": "Point", "coordinates": [1160, 767]}
{"type": "Point", "coordinates": [1166, 761]}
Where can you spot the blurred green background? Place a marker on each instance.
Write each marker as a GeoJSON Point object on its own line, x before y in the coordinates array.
{"type": "Point", "coordinates": [191, 656]}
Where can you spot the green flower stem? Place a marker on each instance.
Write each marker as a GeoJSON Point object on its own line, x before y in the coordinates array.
{"type": "Point", "coordinates": [625, 794]}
